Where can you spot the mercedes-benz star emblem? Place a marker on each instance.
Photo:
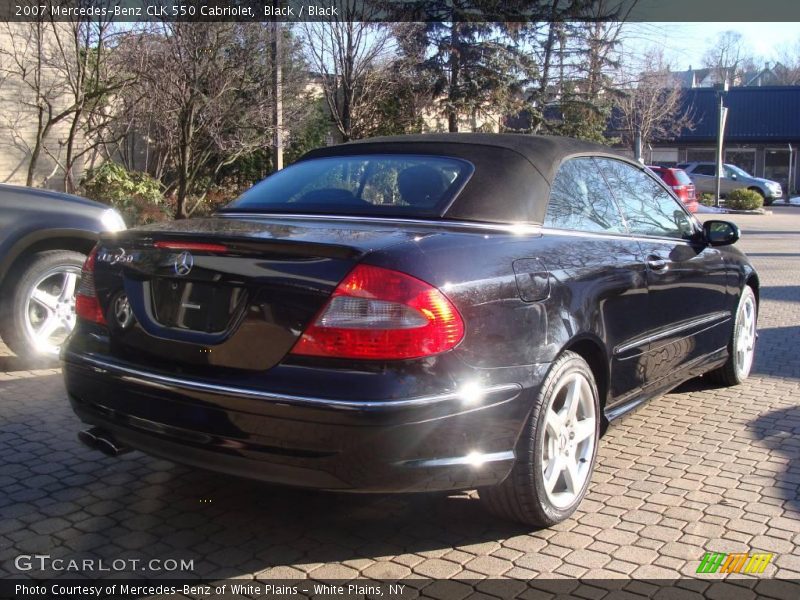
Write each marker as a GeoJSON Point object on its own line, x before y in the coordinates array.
{"type": "Point", "coordinates": [183, 264]}
{"type": "Point", "coordinates": [123, 312]}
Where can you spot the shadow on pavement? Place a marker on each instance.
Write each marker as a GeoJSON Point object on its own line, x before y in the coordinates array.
{"type": "Point", "coordinates": [11, 362]}
{"type": "Point", "coordinates": [784, 293]}
{"type": "Point", "coordinates": [153, 509]}
{"type": "Point", "coordinates": [776, 351]}
{"type": "Point", "coordinates": [779, 430]}
{"type": "Point", "coordinates": [63, 499]}
{"type": "Point", "coordinates": [698, 384]}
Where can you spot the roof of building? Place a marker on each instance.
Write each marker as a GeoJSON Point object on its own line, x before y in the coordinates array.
{"type": "Point", "coordinates": [755, 114]}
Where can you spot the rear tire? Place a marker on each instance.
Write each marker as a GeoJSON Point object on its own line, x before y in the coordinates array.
{"type": "Point", "coordinates": [556, 453]}
{"type": "Point", "coordinates": [742, 344]}
{"type": "Point", "coordinates": [41, 299]}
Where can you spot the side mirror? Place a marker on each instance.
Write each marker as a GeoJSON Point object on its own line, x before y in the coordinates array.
{"type": "Point", "coordinates": [720, 233]}
{"type": "Point", "coordinates": [734, 176]}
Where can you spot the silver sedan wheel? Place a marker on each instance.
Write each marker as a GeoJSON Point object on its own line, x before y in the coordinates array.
{"type": "Point", "coordinates": [568, 443]}
{"type": "Point", "coordinates": [745, 338]}
{"type": "Point", "coordinates": [50, 308]}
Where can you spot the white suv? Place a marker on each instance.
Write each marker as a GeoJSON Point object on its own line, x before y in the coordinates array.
{"type": "Point", "coordinates": [733, 178]}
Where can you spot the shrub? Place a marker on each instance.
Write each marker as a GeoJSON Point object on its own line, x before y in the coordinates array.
{"type": "Point", "coordinates": [744, 199]}
{"type": "Point", "coordinates": [706, 199]}
{"type": "Point", "coordinates": [136, 195]}
{"type": "Point", "coordinates": [217, 196]}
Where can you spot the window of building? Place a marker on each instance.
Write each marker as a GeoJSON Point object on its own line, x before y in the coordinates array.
{"type": "Point", "coordinates": [745, 159]}
{"type": "Point", "coordinates": [700, 155]}
{"type": "Point", "coordinates": [777, 165]}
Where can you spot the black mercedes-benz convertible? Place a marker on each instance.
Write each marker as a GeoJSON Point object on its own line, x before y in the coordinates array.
{"type": "Point", "coordinates": [417, 313]}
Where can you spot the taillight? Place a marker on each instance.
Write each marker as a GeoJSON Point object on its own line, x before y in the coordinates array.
{"type": "Point", "coordinates": [681, 191]}
{"type": "Point", "coordinates": [86, 305]}
{"type": "Point", "coordinates": [377, 313]}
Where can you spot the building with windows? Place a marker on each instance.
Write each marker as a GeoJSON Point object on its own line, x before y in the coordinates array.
{"type": "Point", "coordinates": [762, 134]}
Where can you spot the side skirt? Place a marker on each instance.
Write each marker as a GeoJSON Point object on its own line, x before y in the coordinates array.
{"type": "Point", "coordinates": [695, 368]}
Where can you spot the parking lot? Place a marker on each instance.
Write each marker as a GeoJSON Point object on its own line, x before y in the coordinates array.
{"type": "Point", "coordinates": [700, 469]}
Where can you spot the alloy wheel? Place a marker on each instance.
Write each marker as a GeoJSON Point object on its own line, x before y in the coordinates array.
{"type": "Point", "coordinates": [745, 339]}
{"type": "Point", "coordinates": [50, 308]}
{"type": "Point", "coordinates": [568, 443]}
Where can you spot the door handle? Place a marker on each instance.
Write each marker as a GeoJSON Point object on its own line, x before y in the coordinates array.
{"type": "Point", "coordinates": [656, 263]}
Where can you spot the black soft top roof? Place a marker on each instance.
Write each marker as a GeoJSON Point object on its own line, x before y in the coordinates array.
{"type": "Point", "coordinates": [513, 172]}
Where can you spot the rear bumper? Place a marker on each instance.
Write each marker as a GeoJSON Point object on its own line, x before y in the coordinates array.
{"type": "Point", "coordinates": [445, 441]}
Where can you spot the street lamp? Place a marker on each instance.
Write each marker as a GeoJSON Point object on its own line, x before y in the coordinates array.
{"type": "Point", "coordinates": [721, 89]}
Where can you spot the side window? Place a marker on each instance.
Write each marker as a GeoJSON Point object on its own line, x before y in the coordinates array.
{"type": "Point", "coordinates": [705, 170]}
{"type": "Point", "coordinates": [580, 200]}
{"type": "Point", "coordinates": [648, 208]}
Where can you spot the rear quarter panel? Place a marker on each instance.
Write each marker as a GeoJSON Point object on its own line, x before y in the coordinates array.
{"type": "Point", "coordinates": [501, 329]}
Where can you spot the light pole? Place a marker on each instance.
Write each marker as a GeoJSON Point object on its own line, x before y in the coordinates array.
{"type": "Point", "coordinates": [721, 89]}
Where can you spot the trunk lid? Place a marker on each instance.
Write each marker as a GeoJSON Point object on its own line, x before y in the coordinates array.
{"type": "Point", "coordinates": [227, 292]}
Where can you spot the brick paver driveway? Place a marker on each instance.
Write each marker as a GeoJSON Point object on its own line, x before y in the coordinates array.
{"type": "Point", "coordinates": [699, 469]}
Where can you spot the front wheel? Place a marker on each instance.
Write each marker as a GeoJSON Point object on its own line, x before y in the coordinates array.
{"type": "Point", "coordinates": [556, 453]}
{"type": "Point", "coordinates": [39, 309]}
{"type": "Point", "coordinates": [742, 344]}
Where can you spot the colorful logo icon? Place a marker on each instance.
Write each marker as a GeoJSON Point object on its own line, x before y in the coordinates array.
{"type": "Point", "coordinates": [720, 562]}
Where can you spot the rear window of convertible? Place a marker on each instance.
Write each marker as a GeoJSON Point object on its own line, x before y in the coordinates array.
{"type": "Point", "coordinates": [379, 185]}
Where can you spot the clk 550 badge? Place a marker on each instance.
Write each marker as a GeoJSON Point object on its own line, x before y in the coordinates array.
{"type": "Point", "coordinates": [115, 256]}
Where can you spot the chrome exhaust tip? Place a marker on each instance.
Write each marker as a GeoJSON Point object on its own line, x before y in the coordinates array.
{"type": "Point", "coordinates": [87, 438]}
{"type": "Point", "coordinates": [97, 439]}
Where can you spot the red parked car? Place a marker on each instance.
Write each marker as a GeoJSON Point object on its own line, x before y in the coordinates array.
{"type": "Point", "coordinates": [680, 183]}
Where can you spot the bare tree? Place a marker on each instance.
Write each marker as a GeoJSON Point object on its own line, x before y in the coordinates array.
{"type": "Point", "coordinates": [85, 48]}
{"type": "Point", "coordinates": [728, 57]}
{"type": "Point", "coordinates": [61, 70]}
{"type": "Point", "coordinates": [29, 62]}
{"type": "Point", "coordinates": [651, 104]}
{"type": "Point", "coordinates": [205, 101]}
{"type": "Point", "coordinates": [349, 58]}
{"type": "Point", "coordinates": [787, 69]}
{"type": "Point", "coordinates": [575, 46]}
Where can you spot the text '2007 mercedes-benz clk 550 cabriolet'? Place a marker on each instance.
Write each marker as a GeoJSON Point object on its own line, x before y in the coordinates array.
{"type": "Point", "coordinates": [406, 314]}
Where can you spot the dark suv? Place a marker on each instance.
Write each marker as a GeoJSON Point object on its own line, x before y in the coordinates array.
{"type": "Point", "coordinates": [44, 239]}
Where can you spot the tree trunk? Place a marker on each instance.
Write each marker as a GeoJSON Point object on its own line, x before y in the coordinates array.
{"type": "Point", "coordinates": [41, 132]}
{"type": "Point", "coordinates": [544, 80]}
{"type": "Point", "coordinates": [347, 84]}
{"type": "Point", "coordinates": [69, 160]}
{"type": "Point", "coordinates": [455, 64]}
{"type": "Point", "coordinates": [184, 162]}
